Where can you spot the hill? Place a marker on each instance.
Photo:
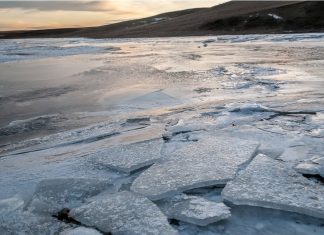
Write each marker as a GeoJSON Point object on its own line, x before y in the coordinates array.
{"type": "Point", "coordinates": [235, 17]}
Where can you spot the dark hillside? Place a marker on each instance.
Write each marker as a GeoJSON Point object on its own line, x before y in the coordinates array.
{"type": "Point", "coordinates": [235, 17]}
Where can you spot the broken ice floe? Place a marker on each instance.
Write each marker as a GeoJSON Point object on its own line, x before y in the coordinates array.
{"type": "Point", "coordinates": [240, 114]}
{"type": "Point", "coordinates": [247, 108]}
{"type": "Point", "coordinates": [272, 184]}
{"type": "Point", "coordinates": [295, 154]}
{"type": "Point", "coordinates": [29, 224]}
{"type": "Point", "coordinates": [195, 210]}
{"type": "Point", "coordinates": [128, 158]}
{"type": "Point", "coordinates": [247, 113]}
{"type": "Point", "coordinates": [314, 166]}
{"type": "Point", "coordinates": [252, 70]}
{"type": "Point", "coordinates": [213, 161]}
{"type": "Point", "coordinates": [31, 124]}
{"type": "Point", "coordinates": [182, 128]}
{"type": "Point", "coordinates": [80, 231]}
{"type": "Point", "coordinates": [244, 76]}
{"type": "Point", "coordinates": [124, 213]}
{"type": "Point", "coordinates": [52, 195]}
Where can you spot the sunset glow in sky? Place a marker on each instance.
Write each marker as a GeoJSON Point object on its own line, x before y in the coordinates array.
{"type": "Point", "coordinates": [40, 14]}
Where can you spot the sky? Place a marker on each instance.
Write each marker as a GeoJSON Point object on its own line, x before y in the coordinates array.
{"type": "Point", "coordinates": [39, 14]}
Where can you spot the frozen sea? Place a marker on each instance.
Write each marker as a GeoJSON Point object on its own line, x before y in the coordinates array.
{"type": "Point", "coordinates": [83, 120]}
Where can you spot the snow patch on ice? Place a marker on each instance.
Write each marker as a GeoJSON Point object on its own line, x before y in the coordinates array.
{"type": "Point", "coordinates": [275, 16]}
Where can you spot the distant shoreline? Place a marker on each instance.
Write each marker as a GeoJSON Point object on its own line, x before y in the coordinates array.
{"type": "Point", "coordinates": [49, 34]}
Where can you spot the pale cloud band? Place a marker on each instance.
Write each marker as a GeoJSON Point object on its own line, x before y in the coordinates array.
{"type": "Point", "coordinates": [55, 5]}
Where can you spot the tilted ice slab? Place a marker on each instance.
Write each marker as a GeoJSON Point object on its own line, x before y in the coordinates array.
{"type": "Point", "coordinates": [27, 223]}
{"type": "Point", "coordinates": [14, 220]}
{"type": "Point", "coordinates": [80, 231]}
{"type": "Point", "coordinates": [124, 213]}
{"type": "Point", "coordinates": [77, 136]}
{"type": "Point", "coordinates": [128, 158]}
{"type": "Point", "coordinates": [195, 210]}
{"type": "Point", "coordinates": [313, 167]}
{"type": "Point", "coordinates": [153, 99]}
{"type": "Point", "coordinates": [248, 108]}
{"type": "Point", "coordinates": [213, 161]}
{"type": "Point", "coordinates": [272, 184]}
{"type": "Point", "coordinates": [52, 195]}
{"type": "Point", "coordinates": [183, 129]}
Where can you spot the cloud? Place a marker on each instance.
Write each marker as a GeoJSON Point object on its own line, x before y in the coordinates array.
{"type": "Point", "coordinates": [104, 5]}
{"type": "Point", "coordinates": [56, 5]}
